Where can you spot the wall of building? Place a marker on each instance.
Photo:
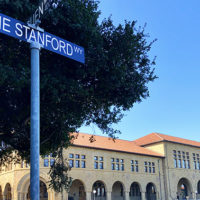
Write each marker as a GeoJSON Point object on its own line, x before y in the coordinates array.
{"type": "Point", "coordinates": [174, 175]}
{"type": "Point", "coordinates": [157, 147]}
{"type": "Point", "coordinates": [167, 178]}
{"type": "Point", "coordinates": [109, 176]}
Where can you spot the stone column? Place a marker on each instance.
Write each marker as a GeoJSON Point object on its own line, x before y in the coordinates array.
{"type": "Point", "coordinates": [157, 195]}
{"type": "Point", "coordinates": [25, 197]}
{"type": "Point", "coordinates": [51, 195]}
{"type": "Point", "coordinates": [88, 195]}
{"type": "Point", "coordinates": [66, 196]}
{"type": "Point", "coordinates": [21, 196]}
{"type": "Point", "coordinates": [143, 196]}
{"type": "Point", "coordinates": [109, 195]}
{"type": "Point", "coordinates": [18, 196]}
{"type": "Point", "coordinates": [126, 193]}
{"type": "Point", "coordinates": [194, 196]}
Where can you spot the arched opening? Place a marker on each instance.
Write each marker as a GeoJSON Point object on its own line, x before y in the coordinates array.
{"type": "Point", "coordinates": [151, 192]}
{"type": "Point", "coordinates": [98, 191]}
{"type": "Point", "coordinates": [77, 191]}
{"type": "Point", "coordinates": [184, 189]}
{"type": "Point", "coordinates": [135, 193]}
{"type": "Point", "coordinates": [198, 190]}
{"type": "Point", "coordinates": [1, 194]}
{"type": "Point", "coordinates": [43, 192]}
{"type": "Point", "coordinates": [117, 191]}
{"type": "Point", "coordinates": [7, 192]}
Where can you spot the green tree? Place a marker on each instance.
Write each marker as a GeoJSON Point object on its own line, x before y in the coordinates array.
{"type": "Point", "coordinates": [114, 77]}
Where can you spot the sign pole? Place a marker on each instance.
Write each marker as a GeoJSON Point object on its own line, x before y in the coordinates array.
{"type": "Point", "coordinates": [35, 121]}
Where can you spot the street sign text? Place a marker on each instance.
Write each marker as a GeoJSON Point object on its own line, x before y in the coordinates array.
{"type": "Point", "coordinates": [22, 31]}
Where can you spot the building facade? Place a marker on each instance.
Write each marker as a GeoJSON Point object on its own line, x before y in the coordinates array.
{"type": "Point", "coordinates": [154, 167]}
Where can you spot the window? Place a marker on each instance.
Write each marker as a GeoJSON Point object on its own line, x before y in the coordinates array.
{"type": "Point", "coordinates": [98, 162]}
{"type": "Point", "coordinates": [134, 166]}
{"type": "Point", "coordinates": [153, 167]}
{"type": "Point", "coordinates": [181, 159]}
{"type": "Point", "coordinates": [198, 164]}
{"type": "Point", "coordinates": [96, 158]}
{"type": "Point", "coordinates": [196, 161]}
{"type": "Point", "coordinates": [71, 155]}
{"type": "Point", "coordinates": [117, 164]}
{"type": "Point", "coordinates": [175, 163]}
{"type": "Point", "coordinates": [52, 162]}
{"type": "Point", "coordinates": [184, 164]}
{"type": "Point", "coordinates": [122, 164]}
{"type": "Point", "coordinates": [49, 160]}
{"type": "Point", "coordinates": [101, 165]}
{"type": "Point", "coordinates": [101, 158]}
{"type": "Point", "coordinates": [95, 165]}
{"type": "Point", "coordinates": [188, 164]}
{"type": "Point", "coordinates": [149, 167]}
{"type": "Point", "coordinates": [179, 163]}
{"type": "Point", "coordinates": [77, 163]}
{"type": "Point", "coordinates": [71, 163]}
{"type": "Point", "coordinates": [46, 162]}
{"type": "Point", "coordinates": [113, 166]}
{"type": "Point", "coordinates": [145, 169]}
{"type": "Point", "coordinates": [77, 160]}
{"type": "Point", "coordinates": [83, 164]}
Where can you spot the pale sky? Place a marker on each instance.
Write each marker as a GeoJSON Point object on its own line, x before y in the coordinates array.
{"type": "Point", "coordinates": [173, 107]}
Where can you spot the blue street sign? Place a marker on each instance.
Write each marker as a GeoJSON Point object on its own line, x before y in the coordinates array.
{"type": "Point", "coordinates": [22, 31]}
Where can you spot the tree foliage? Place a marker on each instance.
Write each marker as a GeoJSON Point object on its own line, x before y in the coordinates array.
{"type": "Point", "coordinates": [114, 77]}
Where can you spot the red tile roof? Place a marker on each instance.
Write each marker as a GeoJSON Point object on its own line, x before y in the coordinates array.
{"type": "Point", "coordinates": [106, 143]}
{"type": "Point", "coordinates": [158, 137]}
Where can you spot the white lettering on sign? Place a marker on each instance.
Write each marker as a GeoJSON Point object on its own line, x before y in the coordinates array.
{"type": "Point", "coordinates": [5, 24]}
{"type": "Point", "coordinates": [78, 50]}
{"type": "Point", "coordinates": [22, 31]}
{"type": "Point", "coordinates": [40, 38]}
{"type": "Point", "coordinates": [62, 47]}
{"type": "Point", "coordinates": [53, 43]}
{"type": "Point", "coordinates": [26, 31]}
{"type": "Point", "coordinates": [32, 36]}
{"type": "Point", "coordinates": [69, 49]}
{"type": "Point", "coordinates": [18, 32]}
{"type": "Point", "coordinates": [45, 40]}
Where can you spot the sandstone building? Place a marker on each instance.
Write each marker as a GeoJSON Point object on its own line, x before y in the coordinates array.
{"type": "Point", "coordinates": [154, 167]}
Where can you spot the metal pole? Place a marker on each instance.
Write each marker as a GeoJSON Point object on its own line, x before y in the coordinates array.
{"type": "Point", "coordinates": [35, 121]}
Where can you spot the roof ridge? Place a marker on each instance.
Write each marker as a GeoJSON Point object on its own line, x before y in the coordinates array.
{"type": "Point", "coordinates": [177, 137]}
{"type": "Point", "coordinates": [106, 143]}
{"type": "Point", "coordinates": [160, 137]}
{"type": "Point", "coordinates": [105, 137]}
{"type": "Point", "coordinates": [158, 134]}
